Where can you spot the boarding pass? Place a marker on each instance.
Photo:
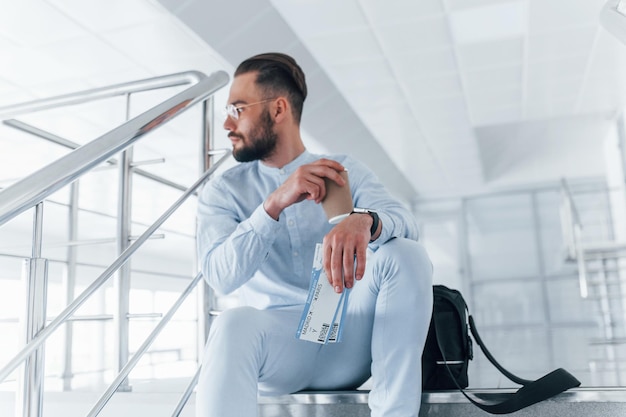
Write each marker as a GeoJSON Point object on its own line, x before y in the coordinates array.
{"type": "Point", "coordinates": [324, 309]}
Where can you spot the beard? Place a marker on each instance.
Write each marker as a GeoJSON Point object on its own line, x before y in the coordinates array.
{"type": "Point", "coordinates": [260, 143]}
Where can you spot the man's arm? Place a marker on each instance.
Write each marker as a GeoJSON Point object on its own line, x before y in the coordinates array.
{"type": "Point", "coordinates": [346, 244]}
{"type": "Point", "coordinates": [306, 183]}
{"type": "Point", "coordinates": [231, 250]}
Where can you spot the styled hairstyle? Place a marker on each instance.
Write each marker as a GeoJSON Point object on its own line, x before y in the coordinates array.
{"type": "Point", "coordinates": [278, 74]}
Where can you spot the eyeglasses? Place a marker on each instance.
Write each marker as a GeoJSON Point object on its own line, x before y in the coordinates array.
{"type": "Point", "coordinates": [233, 111]}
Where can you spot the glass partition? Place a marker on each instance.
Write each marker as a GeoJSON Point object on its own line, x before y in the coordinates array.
{"type": "Point", "coordinates": [505, 252]}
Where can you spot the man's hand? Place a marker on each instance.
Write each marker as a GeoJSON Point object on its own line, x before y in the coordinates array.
{"type": "Point", "coordinates": [306, 183]}
{"type": "Point", "coordinates": [345, 241]}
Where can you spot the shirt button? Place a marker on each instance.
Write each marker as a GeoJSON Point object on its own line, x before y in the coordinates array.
{"type": "Point", "coordinates": [281, 171]}
{"type": "Point", "coordinates": [295, 254]}
{"type": "Point", "coordinates": [290, 223]}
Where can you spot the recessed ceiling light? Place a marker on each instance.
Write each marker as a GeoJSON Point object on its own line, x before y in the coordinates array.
{"type": "Point", "coordinates": [488, 23]}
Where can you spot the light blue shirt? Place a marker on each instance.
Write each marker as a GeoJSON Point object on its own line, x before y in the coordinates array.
{"type": "Point", "coordinates": [241, 247]}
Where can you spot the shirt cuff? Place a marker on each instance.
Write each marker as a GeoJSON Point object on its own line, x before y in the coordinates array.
{"type": "Point", "coordinates": [386, 230]}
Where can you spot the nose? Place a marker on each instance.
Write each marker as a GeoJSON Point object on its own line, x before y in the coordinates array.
{"type": "Point", "coordinates": [229, 123]}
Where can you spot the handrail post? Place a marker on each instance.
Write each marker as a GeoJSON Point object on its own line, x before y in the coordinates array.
{"type": "Point", "coordinates": [69, 285]}
{"type": "Point", "coordinates": [29, 397]}
{"type": "Point", "coordinates": [122, 279]}
{"type": "Point", "coordinates": [206, 301]}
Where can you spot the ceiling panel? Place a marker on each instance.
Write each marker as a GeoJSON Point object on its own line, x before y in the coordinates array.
{"type": "Point", "coordinates": [85, 56]}
{"type": "Point", "coordinates": [493, 114]}
{"type": "Point", "coordinates": [22, 66]}
{"type": "Point", "coordinates": [564, 105]}
{"type": "Point", "coordinates": [101, 16]}
{"type": "Point", "coordinates": [313, 18]}
{"type": "Point", "coordinates": [424, 63]}
{"type": "Point", "coordinates": [496, 78]}
{"type": "Point", "coordinates": [546, 16]}
{"type": "Point", "coordinates": [380, 97]}
{"type": "Point", "coordinates": [433, 87]}
{"type": "Point", "coordinates": [542, 89]}
{"type": "Point", "coordinates": [489, 54]}
{"type": "Point", "coordinates": [349, 46]}
{"type": "Point", "coordinates": [394, 11]}
{"type": "Point", "coordinates": [31, 23]}
{"type": "Point", "coordinates": [547, 46]}
{"type": "Point", "coordinates": [416, 35]}
{"type": "Point", "coordinates": [145, 43]}
{"type": "Point", "coordinates": [554, 70]}
{"type": "Point", "coordinates": [454, 5]}
{"type": "Point", "coordinates": [516, 161]}
{"type": "Point", "coordinates": [608, 57]}
{"type": "Point", "coordinates": [503, 97]}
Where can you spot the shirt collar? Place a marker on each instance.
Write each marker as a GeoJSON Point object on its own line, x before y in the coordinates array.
{"type": "Point", "coordinates": [301, 159]}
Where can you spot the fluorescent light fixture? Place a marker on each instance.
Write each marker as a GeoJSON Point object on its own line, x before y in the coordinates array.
{"type": "Point", "coordinates": [613, 18]}
{"type": "Point", "coordinates": [489, 23]}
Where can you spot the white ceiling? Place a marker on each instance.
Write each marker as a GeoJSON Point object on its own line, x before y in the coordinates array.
{"type": "Point", "coordinates": [439, 97]}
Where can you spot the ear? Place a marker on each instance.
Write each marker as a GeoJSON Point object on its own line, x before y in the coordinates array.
{"type": "Point", "coordinates": [281, 109]}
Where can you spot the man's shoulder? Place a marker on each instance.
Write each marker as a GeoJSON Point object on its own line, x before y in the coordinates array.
{"type": "Point", "coordinates": [232, 177]}
{"type": "Point", "coordinates": [235, 172]}
{"type": "Point", "coordinates": [348, 161]}
{"type": "Point", "coordinates": [341, 158]}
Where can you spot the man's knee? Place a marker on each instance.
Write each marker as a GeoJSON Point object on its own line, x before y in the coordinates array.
{"type": "Point", "coordinates": [234, 327]}
{"type": "Point", "coordinates": [405, 255]}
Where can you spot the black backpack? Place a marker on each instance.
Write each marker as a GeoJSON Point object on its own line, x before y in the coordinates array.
{"type": "Point", "coordinates": [448, 350]}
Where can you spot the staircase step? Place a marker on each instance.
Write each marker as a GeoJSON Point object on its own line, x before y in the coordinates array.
{"type": "Point", "coordinates": [580, 402]}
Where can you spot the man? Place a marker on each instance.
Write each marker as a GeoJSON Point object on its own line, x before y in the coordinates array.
{"type": "Point", "coordinates": [259, 223]}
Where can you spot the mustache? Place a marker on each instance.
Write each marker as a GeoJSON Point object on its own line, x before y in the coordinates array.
{"type": "Point", "coordinates": [235, 135]}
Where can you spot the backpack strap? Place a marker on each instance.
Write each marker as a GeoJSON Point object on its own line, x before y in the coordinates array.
{"type": "Point", "coordinates": [530, 393]}
{"type": "Point", "coordinates": [489, 356]}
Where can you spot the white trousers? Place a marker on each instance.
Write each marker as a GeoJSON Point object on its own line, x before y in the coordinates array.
{"type": "Point", "coordinates": [251, 352]}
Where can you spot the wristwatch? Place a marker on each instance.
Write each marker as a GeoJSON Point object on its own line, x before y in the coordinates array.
{"type": "Point", "coordinates": [375, 218]}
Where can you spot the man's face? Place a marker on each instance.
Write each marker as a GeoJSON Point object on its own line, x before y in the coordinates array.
{"type": "Point", "coordinates": [252, 134]}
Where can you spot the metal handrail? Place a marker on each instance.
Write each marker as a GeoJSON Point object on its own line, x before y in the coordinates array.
{"type": "Point", "coordinates": [184, 398]}
{"type": "Point", "coordinates": [106, 396]}
{"type": "Point", "coordinates": [24, 127]}
{"type": "Point", "coordinates": [567, 193]}
{"type": "Point", "coordinates": [155, 83]}
{"type": "Point", "coordinates": [33, 189]}
{"type": "Point", "coordinates": [572, 225]}
{"type": "Point", "coordinates": [103, 278]}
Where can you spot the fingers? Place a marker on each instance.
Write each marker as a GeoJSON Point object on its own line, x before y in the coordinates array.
{"type": "Point", "coordinates": [329, 163]}
{"type": "Point", "coordinates": [327, 168]}
{"type": "Point", "coordinates": [333, 173]}
{"type": "Point", "coordinates": [353, 266]}
{"type": "Point", "coordinates": [348, 267]}
{"type": "Point", "coordinates": [361, 253]}
{"type": "Point", "coordinates": [306, 183]}
{"type": "Point", "coordinates": [309, 179]}
{"type": "Point", "coordinates": [343, 264]}
{"type": "Point", "coordinates": [313, 188]}
{"type": "Point", "coordinates": [333, 265]}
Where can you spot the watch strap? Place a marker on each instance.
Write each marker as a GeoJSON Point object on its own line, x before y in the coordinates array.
{"type": "Point", "coordinates": [375, 218]}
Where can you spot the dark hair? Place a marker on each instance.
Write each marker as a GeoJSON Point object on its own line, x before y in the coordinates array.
{"type": "Point", "coordinates": [278, 74]}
